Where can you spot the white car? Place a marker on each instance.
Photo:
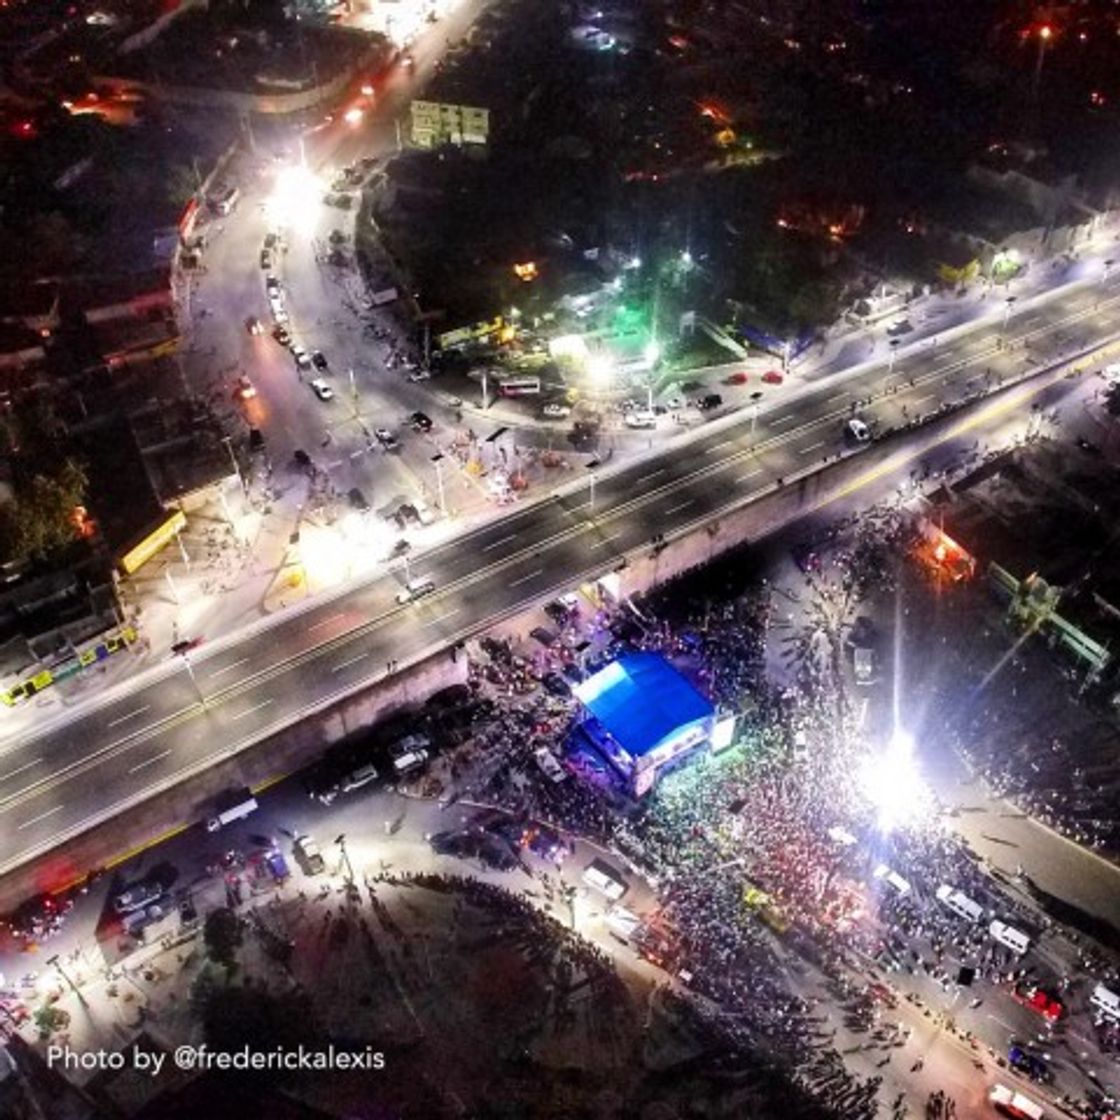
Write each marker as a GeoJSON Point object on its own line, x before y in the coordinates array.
{"type": "Point", "coordinates": [322, 390]}
{"type": "Point", "coordinates": [302, 358]}
{"type": "Point", "coordinates": [857, 430]}
{"type": "Point", "coordinates": [641, 418]}
{"type": "Point", "coordinates": [554, 411]}
{"type": "Point", "coordinates": [419, 375]}
{"type": "Point", "coordinates": [386, 439]}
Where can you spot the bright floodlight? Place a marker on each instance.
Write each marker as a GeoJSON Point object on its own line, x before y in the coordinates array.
{"type": "Point", "coordinates": [652, 352]}
{"type": "Point", "coordinates": [891, 782]}
{"type": "Point", "coordinates": [353, 116]}
{"type": "Point", "coordinates": [295, 197]}
{"type": "Point", "coordinates": [600, 366]}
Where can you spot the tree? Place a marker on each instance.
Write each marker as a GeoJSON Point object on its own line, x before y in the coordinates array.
{"type": "Point", "coordinates": [222, 935]}
{"type": "Point", "coordinates": [40, 518]}
{"type": "Point", "coordinates": [182, 183]}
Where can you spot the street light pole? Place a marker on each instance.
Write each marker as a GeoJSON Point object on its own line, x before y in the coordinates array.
{"type": "Point", "coordinates": [1044, 33]}
{"type": "Point", "coordinates": [55, 963]}
{"type": "Point", "coordinates": [341, 842]}
{"type": "Point", "coordinates": [1008, 304]}
{"type": "Point", "coordinates": [228, 441]}
{"type": "Point", "coordinates": [894, 354]}
{"type": "Point", "coordinates": [438, 460]}
{"type": "Point", "coordinates": [194, 680]}
{"type": "Point", "coordinates": [591, 481]}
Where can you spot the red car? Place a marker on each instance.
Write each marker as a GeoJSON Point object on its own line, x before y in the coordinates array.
{"type": "Point", "coordinates": [772, 377]}
{"type": "Point", "coordinates": [1036, 999]}
{"type": "Point", "coordinates": [739, 378]}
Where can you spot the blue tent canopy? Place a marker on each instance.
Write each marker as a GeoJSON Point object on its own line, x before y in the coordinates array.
{"type": "Point", "coordinates": [641, 701]}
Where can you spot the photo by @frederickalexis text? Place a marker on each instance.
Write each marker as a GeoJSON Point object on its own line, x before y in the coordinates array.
{"type": "Point", "coordinates": [201, 1058]}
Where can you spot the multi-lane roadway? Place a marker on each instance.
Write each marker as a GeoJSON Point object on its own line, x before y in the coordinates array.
{"type": "Point", "coordinates": [183, 718]}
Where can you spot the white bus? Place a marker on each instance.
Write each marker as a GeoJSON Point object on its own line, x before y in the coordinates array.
{"type": "Point", "coordinates": [960, 904]}
{"type": "Point", "coordinates": [519, 386]}
{"type": "Point", "coordinates": [1106, 1002]}
{"type": "Point", "coordinates": [602, 877]}
{"type": "Point", "coordinates": [1014, 939]}
{"type": "Point", "coordinates": [225, 202]}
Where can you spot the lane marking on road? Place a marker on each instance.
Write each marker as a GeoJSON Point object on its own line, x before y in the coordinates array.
{"type": "Point", "coordinates": [605, 540]}
{"type": "Point", "coordinates": [148, 761]}
{"type": "Point", "coordinates": [783, 419]}
{"type": "Point", "coordinates": [19, 769]}
{"type": "Point", "coordinates": [922, 400]}
{"type": "Point", "coordinates": [353, 661]}
{"type": "Point", "coordinates": [718, 446]}
{"type": "Point", "coordinates": [131, 715]}
{"type": "Point", "coordinates": [842, 393]}
{"type": "Point", "coordinates": [811, 447]}
{"type": "Point", "coordinates": [325, 622]}
{"type": "Point", "coordinates": [226, 668]}
{"type": "Point", "coordinates": [498, 544]}
{"type": "Point", "coordinates": [40, 817]}
{"type": "Point", "coordinates": [525, 579]}
{"type": "Point", "coordinates": [652, 474]}
{"type": "Point", "coordinates": [443, 617]}
{"type": "Point", "coordinates": [749, 474]}
{"type": "Point", "coordinates": [254, 708]}
{"type": "Point", "coordinates": [681, 505]}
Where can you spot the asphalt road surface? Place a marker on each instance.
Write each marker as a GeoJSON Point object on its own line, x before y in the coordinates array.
{"type": "Point", "coordinates": [173, 722]}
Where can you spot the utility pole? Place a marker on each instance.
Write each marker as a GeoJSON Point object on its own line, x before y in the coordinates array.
{"type": "Point", "coordinates": [437, 458]}
{"type": "Point", "coordinates": [55, 963]}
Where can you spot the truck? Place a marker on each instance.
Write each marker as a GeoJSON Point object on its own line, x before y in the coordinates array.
{"type": "Point", "coordinates": [234, 805]}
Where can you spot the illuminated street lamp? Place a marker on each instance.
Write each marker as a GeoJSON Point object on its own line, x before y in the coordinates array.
{"type": "Point", "coordinates": [1045, 34]}
{"type": "Point", "coordinates": [892, 783]}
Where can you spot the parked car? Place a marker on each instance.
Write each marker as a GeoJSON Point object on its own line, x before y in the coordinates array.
{"type": "Point", "coordinates": [245, 390]}
{"type": "Point", "coordinates": [301, 357]}
{"type": "Point", "coordinates": [266, 259]}
{"type": "Point", "coordinates": [318, 360]}
{"type": "Point", "coordinates": [555, 684]}
{"type": "Point", "coordinates": [282, 334]}
{"type": "Point", "coordinates": [386, 438]}
{"type": "Point", "coordinates": [253, 325]}
{"type": "Point", "coordinates": [421, 422]}
{"type": "Point", "coordinates": [641, 418]}
{"type": "Point", "coordinates": [358, 500]}
{"type": "Point", "coordinates": [322, 390]}
{"type": "Point", "coordinates": [555, 411]}
{"type": "Point", "coordinates": [360, 776]}
{"type": "Point", "coordinates": [307, 852]}
{"type": "Point", "coordinates": [739, 378]}
{"type": "Point", "coordinates": [772, 377]}
{"type": "Point", "coordinates": [137, 896]}
{"type": "Point", "coordinates": [709, 402]}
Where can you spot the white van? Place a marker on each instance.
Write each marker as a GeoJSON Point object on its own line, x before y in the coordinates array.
{"type": "Point", "coordinates": [960, 904]}
{"type": "Point", "coordinates": [622, 922]}
{"type": "Point", "coordinates": [416, 589]}
{"type": "Point", "coordinates": [892, 878]}
{"type": "Point", "coordinates": [1106, 1002]}
{"type": "Point", "coordinates": [603, 878]}
{"type": "Point", "coordinates": [409, 761]}
{"type": "Point", "coordinates": [1014, 939]}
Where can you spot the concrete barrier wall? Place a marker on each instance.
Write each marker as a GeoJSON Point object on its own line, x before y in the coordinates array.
{"type": "Point", "coordinates": [188, 804]}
